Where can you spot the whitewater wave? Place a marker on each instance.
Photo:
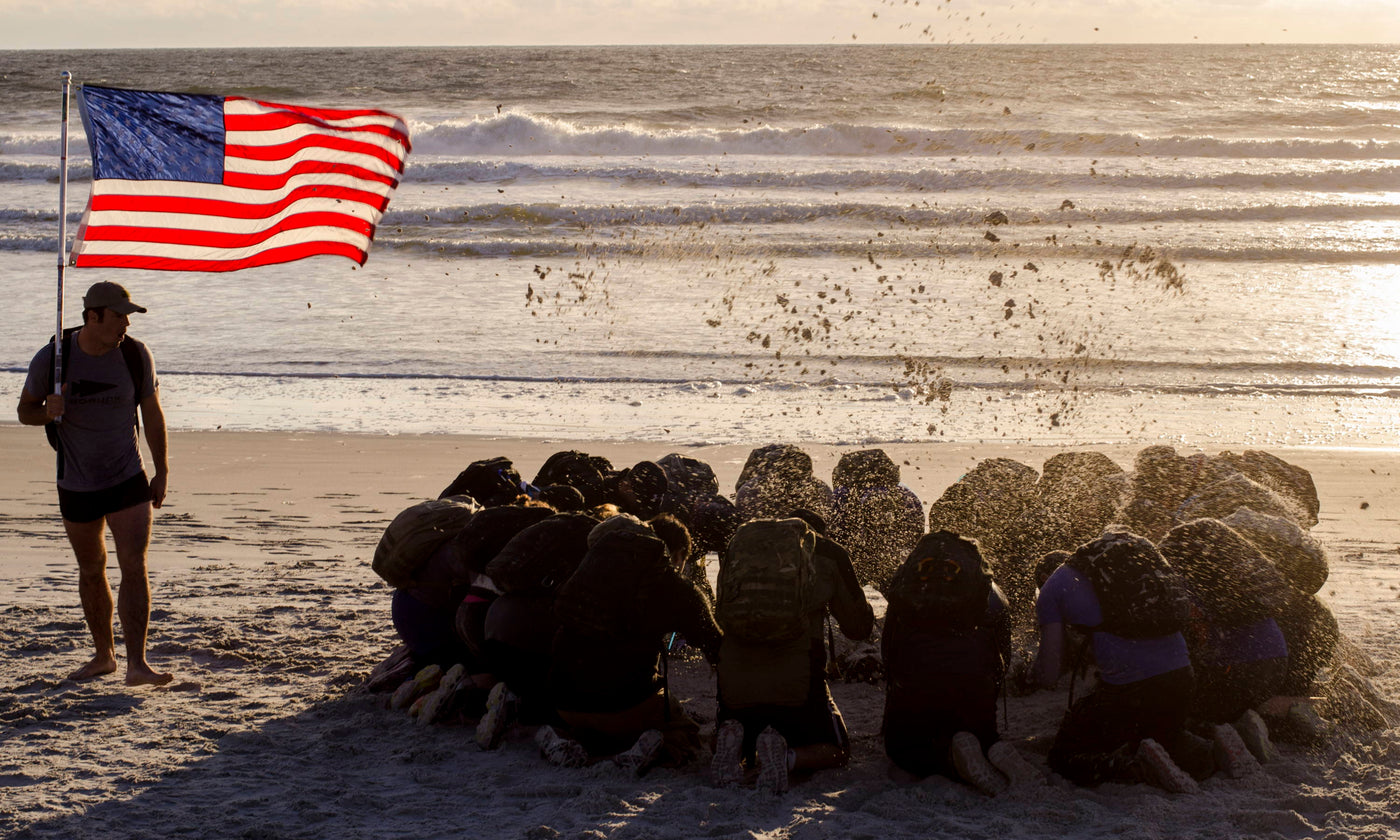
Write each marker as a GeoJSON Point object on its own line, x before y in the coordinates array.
{"type": "Point", "coordinates": [694, 175]}
{"type": "Point", "coordinates": [516, 134]}
{"type": "Point", "coordinates": [891, 215]}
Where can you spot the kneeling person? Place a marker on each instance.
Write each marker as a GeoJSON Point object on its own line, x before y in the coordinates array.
{"type": "Point", "coordinates": [1131, 727]}
{"type": "Point", "coordinates": [776, 583]}
{"type": "Point", "coordinates": [946, 642]}
{"type": "Point", "coordinates": [606, 667]}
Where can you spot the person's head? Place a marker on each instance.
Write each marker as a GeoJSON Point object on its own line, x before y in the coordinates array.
{"type": "Point", "coordinates": [1048, 564]}
{"type": "Point", "coordinates": [105, 309]}
{"type": "Point", "coordinates": [676, 536]}
{"type": "Point", "coordinates": [562, 497]}
{"type": "Point", "coordinates": [642, 488]}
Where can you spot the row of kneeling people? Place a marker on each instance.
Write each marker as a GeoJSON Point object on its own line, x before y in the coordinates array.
{"type": "Point", "coordinates": [563, 620]}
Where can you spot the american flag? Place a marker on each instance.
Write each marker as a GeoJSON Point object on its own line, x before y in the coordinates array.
{"type": "Point", "coordinates": [193, 182]}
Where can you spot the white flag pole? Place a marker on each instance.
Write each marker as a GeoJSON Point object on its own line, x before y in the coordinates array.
{"type": "Point", "coordinates": [62, 234]}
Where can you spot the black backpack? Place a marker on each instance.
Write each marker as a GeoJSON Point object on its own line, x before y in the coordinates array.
{"type": "Point", "coordinates": [944, 582]}
{"type": "Point", "coordinates": [688, 481]}
{"type": "Point", "coordinates": [135, 367]}
{"type": "Point", "coordinates": [1140, 595]}
{"type": "Point", "coordinates": [578, 470]}
{"type": "Point", "coordinates": [544, 555]}
{"type": "Point", "coordinates": [607, 596]}
{"type": "Point", "coordinates": [491, 482]}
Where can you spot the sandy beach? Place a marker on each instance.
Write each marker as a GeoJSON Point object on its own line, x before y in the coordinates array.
{"type": "Point", "coordinates": [265, 607]}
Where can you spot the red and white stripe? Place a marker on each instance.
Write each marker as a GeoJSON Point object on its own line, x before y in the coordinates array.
{"type": "Point", "coordinates": [298, 182]}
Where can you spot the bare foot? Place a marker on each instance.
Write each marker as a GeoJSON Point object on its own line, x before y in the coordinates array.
{"type": "Point", "coordinates": [144, 675]}
{"type": "Point", "coordinates": [98, 666]}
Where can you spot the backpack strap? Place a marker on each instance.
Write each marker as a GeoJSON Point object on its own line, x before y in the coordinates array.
{"type": "Point", "coordinates": [136, 369]}
{"type": "Point", "coordinates": [51, 428]}
{"type": "Point", "coordinates": [1078, 661]}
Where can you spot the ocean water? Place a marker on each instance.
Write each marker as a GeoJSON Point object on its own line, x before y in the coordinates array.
{"type": "Point", "coordinates": [1059, 244]}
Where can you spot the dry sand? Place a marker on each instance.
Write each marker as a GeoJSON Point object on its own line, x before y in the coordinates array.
{"type": "Point", "coordinates": [267, 611]}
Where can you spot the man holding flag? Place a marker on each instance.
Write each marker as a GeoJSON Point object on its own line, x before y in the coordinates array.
{"type": "Point", "coordinates": [101, 478]}
{"type": "Point", "coordinates": [180, 182]}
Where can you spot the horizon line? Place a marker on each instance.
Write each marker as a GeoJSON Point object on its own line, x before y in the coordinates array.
{"type": "Point", "coordinates": [833, 43]}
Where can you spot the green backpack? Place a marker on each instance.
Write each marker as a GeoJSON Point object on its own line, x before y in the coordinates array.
{"type": "Point", "coordinates": [416, 533]}
{"type": "Point", "coordinates": [767, 583]}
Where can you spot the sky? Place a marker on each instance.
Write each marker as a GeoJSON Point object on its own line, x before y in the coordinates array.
{"type": "Point", "coordinates": [87, 24]}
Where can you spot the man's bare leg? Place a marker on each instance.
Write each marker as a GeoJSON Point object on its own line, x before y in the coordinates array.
{"type": "Point", "coordinates": [131, 531]}
{"type": "Point", "coordinates": [95, 594]}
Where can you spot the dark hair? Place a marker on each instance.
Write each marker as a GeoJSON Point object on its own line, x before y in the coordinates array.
{"type": "Point", "coordinates": [101, 312]}
{"type": "Point", "coordinates": [562, 497]}
{"type": "Point", "coordinates": [672, 532]}
{"type": "Point", "coordinates": [1048, 564]}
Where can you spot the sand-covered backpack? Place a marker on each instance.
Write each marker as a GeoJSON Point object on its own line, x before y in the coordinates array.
{"type": "Point", "coordinates": [491, 482]}
{"type": "Point", "coordinates": [879, 525]}
{"type": "Point", "coordinates": [579, 470]}
{"type": "Point", "coordinates": [944, 583]}
{"type": "Point", "coordinates": [864, 468]}
{"type": "Point", "coordinates": [416, 533]}
{"type": "Point", "coordinates": [1234, 582]}
{"type": "Point", "coordinates": [1292, 550]}
{"type": "Point", "coordinates": [767, 583]}
{"type": "Point", "coordinates": [542, 556]}
{"type": "Point", "coordinates": [688, 480]}
{"type": "Point", "coordinates": [606, 596]}
{"type": "Point", "coordinates": [1140, 595]}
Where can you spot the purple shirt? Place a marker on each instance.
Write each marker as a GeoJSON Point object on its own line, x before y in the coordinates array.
{"type": "Point", "coordinates": [1248, 643]}
{"type": "Point", "coordinates": [1068, 598]}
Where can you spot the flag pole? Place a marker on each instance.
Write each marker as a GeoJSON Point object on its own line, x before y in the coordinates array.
{"type": "Point", "coordinates": [62, 233]}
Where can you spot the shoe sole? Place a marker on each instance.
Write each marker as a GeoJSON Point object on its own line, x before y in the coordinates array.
{"type": "Point", "coordinates": [492, 726]}
{"type": "Point", "coordinates": [726, 767]}
{"type": "Point", "coordinates": [1161, 771]}
{"type": "Point", "coordinates": [1020, 772]}
{"type": "Point", "coordinates": [966, 754]}
{"type": "Point", "coordinates": [771, 751]}
{"type": "Point", "coordinates": [1231, 754]}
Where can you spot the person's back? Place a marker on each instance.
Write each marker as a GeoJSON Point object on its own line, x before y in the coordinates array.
{"type": "Point", "coordinates": [875, 517]}
{"type": "Point", "coordinates": [1134, 719]}
{"type": "Point", "coordinates": [945, 645]}
{"type": "Point", "coordinates": [614, 615]}
{"type": "Point", "coordinates": [1237, 649]}
{"type": "Point", "coordinates": [519, 624]}
{"type": "Point", "coordinates": [777, 678]}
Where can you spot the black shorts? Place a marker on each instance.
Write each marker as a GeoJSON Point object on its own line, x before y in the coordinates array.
{"type": "Point", "coordinates": [90, 506]}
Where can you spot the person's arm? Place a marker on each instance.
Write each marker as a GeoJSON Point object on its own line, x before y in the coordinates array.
{"type": "Point", "coordinates": [153, 417]}
{"type": "Point", "coordinates": [1050, 658]}
{"type": "Point", "coordinates": [999, 619]}
{"type": "Point", "coordinates": [688, 612]}
{"type": "Point", "coordinates": [36, 411]}
{"type": "Point", "coordinates": [852, 611]}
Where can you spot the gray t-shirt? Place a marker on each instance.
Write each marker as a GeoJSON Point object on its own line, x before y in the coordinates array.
{"type": "Point", "coordinates": [98, 432]}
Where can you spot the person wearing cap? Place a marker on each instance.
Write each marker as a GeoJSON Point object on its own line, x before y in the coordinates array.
{"type": "Point", "coordinates": [102, 484]}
